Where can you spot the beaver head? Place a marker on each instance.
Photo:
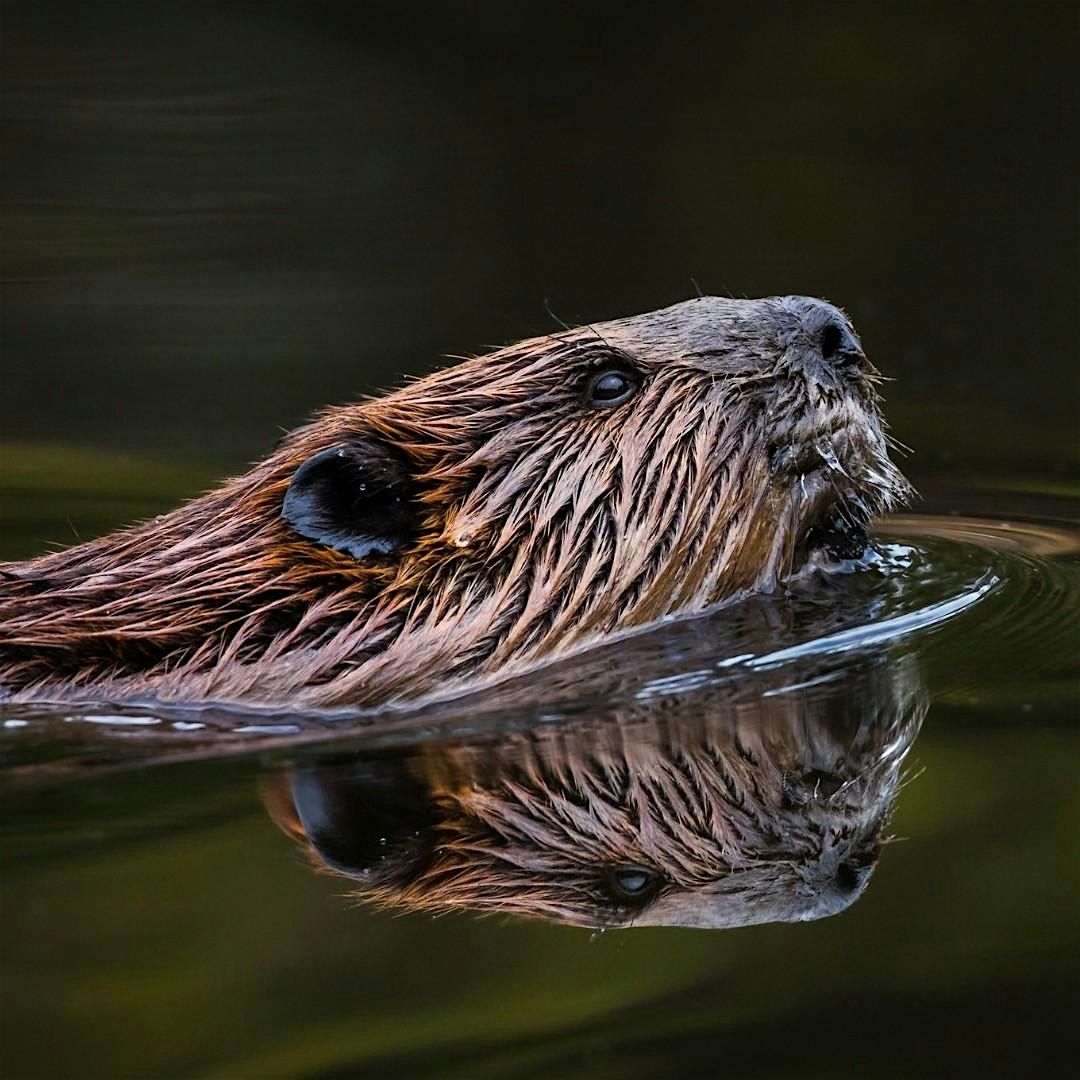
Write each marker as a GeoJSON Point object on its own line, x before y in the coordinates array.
{"type": "Point", "coordinates": [514, 506]}
{"type": "Point", "coordinates": [716, 807]}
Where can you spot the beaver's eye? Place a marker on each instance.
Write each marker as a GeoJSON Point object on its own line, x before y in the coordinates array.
{"type": "Point", "coordinates": [633, 882]}
{"type": "Point", "coordinates": [611, 387]}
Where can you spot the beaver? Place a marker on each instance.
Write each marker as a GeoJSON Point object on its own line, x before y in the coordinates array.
{"type": "Point", "coordinates": [736, 803]}
{"type": "Point", "coordinates": [516, 506]}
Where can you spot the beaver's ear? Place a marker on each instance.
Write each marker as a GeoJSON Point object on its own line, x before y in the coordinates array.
{"type": "Point", "coordinates": [371, 820]}
{"type": "Point", "coordinates": [358, 498]}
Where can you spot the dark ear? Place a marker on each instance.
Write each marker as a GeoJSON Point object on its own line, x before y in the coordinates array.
{"type": "Point", "coordinates": [371, 820]}
{"type": "Point", "coordinates": [357, 498]}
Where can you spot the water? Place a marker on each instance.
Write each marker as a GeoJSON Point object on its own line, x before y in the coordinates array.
{"type": "Point", "coordinates": [219, 220]}
{"type": "Point", "coordinates": [168, 872]}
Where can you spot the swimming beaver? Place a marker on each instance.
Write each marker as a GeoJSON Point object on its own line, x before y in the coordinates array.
{"type": "Point", "coordinates": [512, 507]}
{"type": "Point", "coordinates": [732, 804]}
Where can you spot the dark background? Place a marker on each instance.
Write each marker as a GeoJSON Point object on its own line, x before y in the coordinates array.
{"type": "Point", "coordinates": [220, 217]}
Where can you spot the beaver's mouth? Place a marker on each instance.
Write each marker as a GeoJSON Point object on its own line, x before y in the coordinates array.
{"type": "Point", "coordinates": [832, 508]}
{"type": "Point", "coordinates": [838, 536]}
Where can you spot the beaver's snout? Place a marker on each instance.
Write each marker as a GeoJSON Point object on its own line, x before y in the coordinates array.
{"type": "Point", "coordinates": [825, 339]}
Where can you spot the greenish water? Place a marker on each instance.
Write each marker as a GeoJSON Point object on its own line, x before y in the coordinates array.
{"type": "Point", "coordinates": [220, 218]}
{"type": "Point", "coordinates": [160, 920]}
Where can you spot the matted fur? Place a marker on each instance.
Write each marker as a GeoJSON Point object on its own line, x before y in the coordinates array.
{"type": "Point", "coordinates": [544, 523]}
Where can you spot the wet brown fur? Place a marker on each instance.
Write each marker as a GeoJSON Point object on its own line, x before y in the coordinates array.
{"type": "Point", "coordinates": [544, 524]}
{"type": "Point", "coordinates": [749, 807]}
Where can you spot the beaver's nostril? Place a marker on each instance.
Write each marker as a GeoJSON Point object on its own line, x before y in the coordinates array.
{"type": "Point", "coordinates": [832, 340]}
{"type": "Point", "coordinates": [824, 332]}
{"type": "Point", "coordinates": [849, 877]}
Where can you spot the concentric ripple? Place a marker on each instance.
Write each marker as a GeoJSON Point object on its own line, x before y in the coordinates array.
{"type": "Point", "coordinates": [1023, 642]}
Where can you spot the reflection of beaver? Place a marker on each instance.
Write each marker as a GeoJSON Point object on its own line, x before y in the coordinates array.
{"type": "Point", "coordinates": [514, 506]}
{"type": "Point", "coordinates": [718, 808]}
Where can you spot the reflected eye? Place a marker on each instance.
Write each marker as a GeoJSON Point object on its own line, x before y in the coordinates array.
{"type": "Point", "coordinates": [611, 387]}
{"type": "Point", "coordinates": [633, 882]}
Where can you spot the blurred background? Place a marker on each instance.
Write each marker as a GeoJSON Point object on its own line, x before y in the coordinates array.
{"type": "Point", "coordinates": [220, 217]}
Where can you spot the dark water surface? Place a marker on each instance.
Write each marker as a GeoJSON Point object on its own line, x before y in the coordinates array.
{"type": "Point", "coordinates": [221, 217]}
{"type": "Point", "coordinates": [211, 893]}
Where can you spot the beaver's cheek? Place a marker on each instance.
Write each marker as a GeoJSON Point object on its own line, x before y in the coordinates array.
{"type": "Point", "coordinates": [358, 498]}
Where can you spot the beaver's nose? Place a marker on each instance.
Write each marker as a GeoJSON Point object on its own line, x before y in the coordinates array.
{"type": "Point", "coordinates": [827, 332]}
